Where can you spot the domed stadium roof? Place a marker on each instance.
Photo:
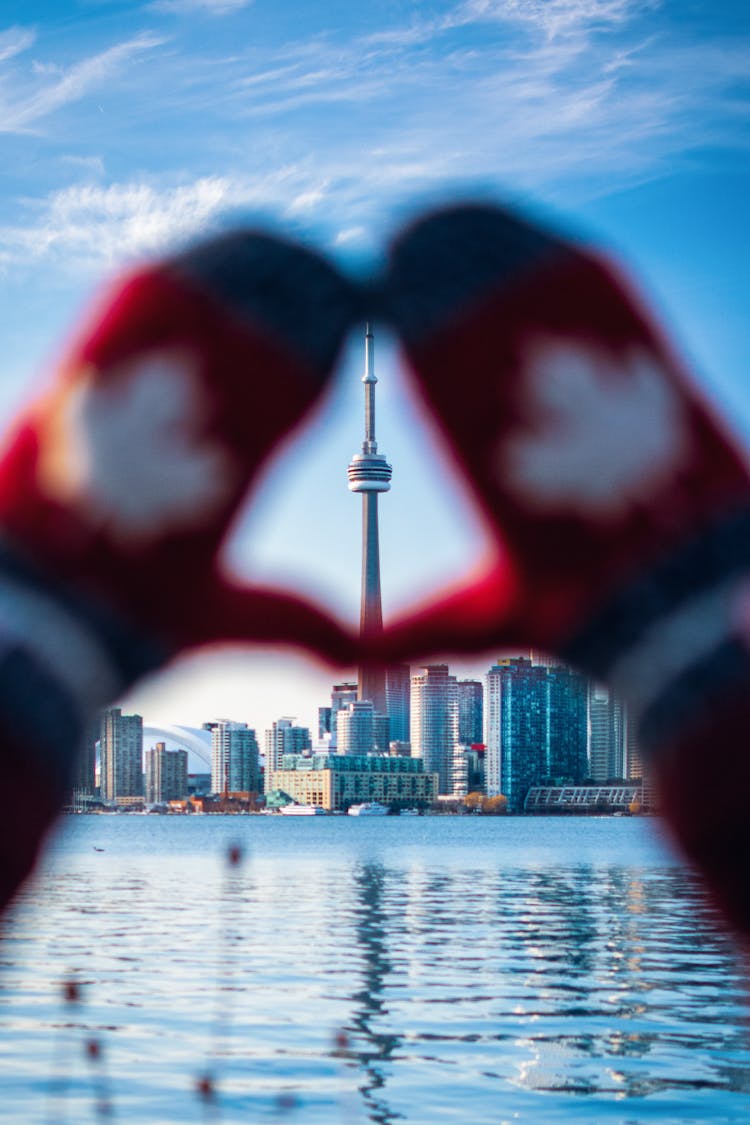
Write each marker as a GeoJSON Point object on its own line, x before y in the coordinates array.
{"type": "Point", "coordinates": [197, 743]}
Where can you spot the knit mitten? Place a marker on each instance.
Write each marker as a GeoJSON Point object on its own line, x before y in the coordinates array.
{"type": "Point", "coordinates": [618, 506]}
{"type": "Point", "coordinates": [118, 487]}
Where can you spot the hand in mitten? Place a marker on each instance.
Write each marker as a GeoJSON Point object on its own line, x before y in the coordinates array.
{"type": "Point", "coordinates": [118, 486]}
{"type": "Point", "coordinates": [619, 508]}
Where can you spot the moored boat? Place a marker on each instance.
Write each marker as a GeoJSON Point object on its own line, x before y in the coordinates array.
{"type": "Point", "coordinates": [302, 810]}
{"type": "Point", "coordinates": [368, 808]}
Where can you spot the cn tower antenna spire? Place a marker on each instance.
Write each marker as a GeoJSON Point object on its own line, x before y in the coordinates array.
{"type": "Point", "coordinates": [369, 378]}
{"type": "Point", "coordinates": [370, 473]}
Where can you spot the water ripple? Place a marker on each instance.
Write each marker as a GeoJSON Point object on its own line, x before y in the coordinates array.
{"type": "Point", "coordinates": [416, 971]}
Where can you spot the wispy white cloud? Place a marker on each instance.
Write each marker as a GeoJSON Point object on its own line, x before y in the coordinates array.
{"type": "Point", "coordinates": [335, 133]}
{"type": "Point", "coordinates": [553, 17]}
{"type": "Point", "coordinates": [59, 86]}
{"type": "Point", "coordinates": [94, 165]}
{"type": "Point", "coordinates": [93, 227]}
{"type": "Point", "coordinates": [15, 40]}
{"type": "Point", "coordinates": [103, 225]}
{"type": "Point", "coordinates": [210, 7]}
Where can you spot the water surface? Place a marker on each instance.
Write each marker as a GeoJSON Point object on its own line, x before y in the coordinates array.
{"type": "Point", "coordinates": [348, 971]}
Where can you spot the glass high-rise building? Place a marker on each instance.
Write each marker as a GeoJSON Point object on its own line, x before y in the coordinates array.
{"type": "Point", "coordinates": [607, 735]}
{"type": "Point", "coordinates": [341, 695]}
{"type": "Point", "coordinates": [537, 727]}
{"type": "Point", "coordinates": [434, 722]}
{"type": "Point", "coordinates": [516, 716]}
{"type": "Point", "coordinates": [324, 723]}
{"type": "Point", "coordinates": [285, 737]}
{"type": "Point", "coordinates": [355, 727]}
{"type": "Point", "coordinates": [165, 774]}
{"type": "Point", "coordinates": [470, 712]}
{"type": "Point", "coordinates": [121, 755]}
{"type": "Point", "coordinates": [234, 758]}
{"type": "Point", "coordinates": [398, 701]}
{"type": "Point", "coordinates": [568, 724]}
{"type": "Point", "coordinates": [84, 777]}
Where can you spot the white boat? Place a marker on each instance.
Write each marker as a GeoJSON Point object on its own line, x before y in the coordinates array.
{"type": "Point", "coordinates": [302, 810]}
{"type": "Point", "coordinates": [368, 808]}
{"type": "Point", "coordinates": [409, 812]}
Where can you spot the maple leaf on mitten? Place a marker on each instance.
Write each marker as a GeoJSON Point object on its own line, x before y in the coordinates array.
{"type": "Point", "coordinates": [618, 505]}
{"type": "Point", "coordinates": [119, 484]}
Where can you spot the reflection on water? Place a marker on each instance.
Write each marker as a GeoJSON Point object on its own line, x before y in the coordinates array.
{"type": "Point", "coordinates": [349, 973]}
{"type": "Point", "coordinates": [372, 1047]}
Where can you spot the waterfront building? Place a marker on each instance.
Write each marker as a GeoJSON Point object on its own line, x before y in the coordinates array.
{"type": "Point", "coordinates": [166, 776]}
{"type": "Point", "coordinates": [585, 798]}
{"type": "Point", "coordinates": [341, 696]}
{"type": "Point", "coordinates": [324, 724]}
{"type": "Point", "coordinates": [607, 735]}
{"type": "Point", "coordinates": [359, 730]}
{"type": "Point", "coordinates": [567, 740]}
{"type": "Point", "coordinates": [121, 770]}
{"type": "Point", "coordinates": [516, 728]}
{"type": "Point", "coordinates": [355, 727]}
{"type": "Point", "coordinates": [470, 712]}
{"type": "Point", "coordinates": [460, 770]}
{"type": "Point", "coordinates": [84, 777]}
{"type": "Point", "coordinates": [398, 701]}
{"type": "Point", "coordinates": [370, 474]}
{"type": "Point", "coordinates": [285, 737]}
{"type": "Point", "coordinates": [635, 770]}
{"type": "Point", "coordinates": [336, 781]}
{"type": "Point", "coordinates": [475, 760]}
{"type": "Point", "coordinates": [434, 722]}
{"type": "Point", "coordinates": [633, 759]}
{"type": "Point", "coordinates": [536, 726]}
{"type": "Point", "coordinates": [234, 758]}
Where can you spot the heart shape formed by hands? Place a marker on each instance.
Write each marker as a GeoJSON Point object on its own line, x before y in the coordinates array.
{"type": "Point", "coordinates": [617, 504]}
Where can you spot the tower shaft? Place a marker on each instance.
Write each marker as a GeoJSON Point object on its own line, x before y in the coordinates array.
{"type": "Point", "coordinates": [370, 473]}
{"type": "Point", "coordinates": [371, 678]}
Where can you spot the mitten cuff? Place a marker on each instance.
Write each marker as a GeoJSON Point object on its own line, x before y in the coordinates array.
{"type": "Point", "coordinates": [675, 642]}
{"type": "Point", "coordinates": [62, 658]}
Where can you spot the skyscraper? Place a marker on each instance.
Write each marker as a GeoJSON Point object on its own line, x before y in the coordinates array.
{"type": "Point", "coordinates": [285, 737]}
{"type": "Point", "coordinates": [398, 701]}
{"type": "Point", "coordinates": [324, 723]}
{"type": "Point", "coordinates": [536, 727]}
{"type": "Point", "coordinates": [516, 719]}
{"type": "Point", "coordinates": [355, 727]}
{"type": "Point", "coordinates": [84, 778]}
{"type": "Point", "coordinates": [234, 758]}
{"type": "Point", "coordinates": [121, 755]}
{"type": "Point", "coordinates": [607, 725]}
{"type": "Point", "coordinates": [341, 695]}
{"type": "Point", "coordinates": [470, 712]}
{"type": "Point", "coordinates": [370, 473]}
{"type": "Point", "coordinates": [568, 724]}
{"type": "Point", "coordinates": [434, 722]}
{"type": "Point", "coordinates": [165, 774]}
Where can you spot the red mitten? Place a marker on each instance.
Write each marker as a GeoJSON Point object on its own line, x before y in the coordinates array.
{"type": "Point", "coordinates": [118, 486]}
{"type": "Point", "coordinates": [619, 507]}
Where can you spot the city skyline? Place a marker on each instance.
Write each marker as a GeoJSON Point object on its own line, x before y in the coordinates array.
{"type": "Point", "coordinates": [128, 128]}
{"type": "Point", "coordinates": [546, 725]}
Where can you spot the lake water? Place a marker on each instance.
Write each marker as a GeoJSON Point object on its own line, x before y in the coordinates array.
{"type": "Point", "coordinates": [418, 970]}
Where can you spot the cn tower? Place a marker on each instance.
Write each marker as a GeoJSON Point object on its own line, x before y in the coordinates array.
{"type": "Point", "coordinates": [370, 473]}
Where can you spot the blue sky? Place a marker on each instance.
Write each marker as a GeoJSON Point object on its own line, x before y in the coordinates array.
{"type": "Point", "coordinates": [127, 127]}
